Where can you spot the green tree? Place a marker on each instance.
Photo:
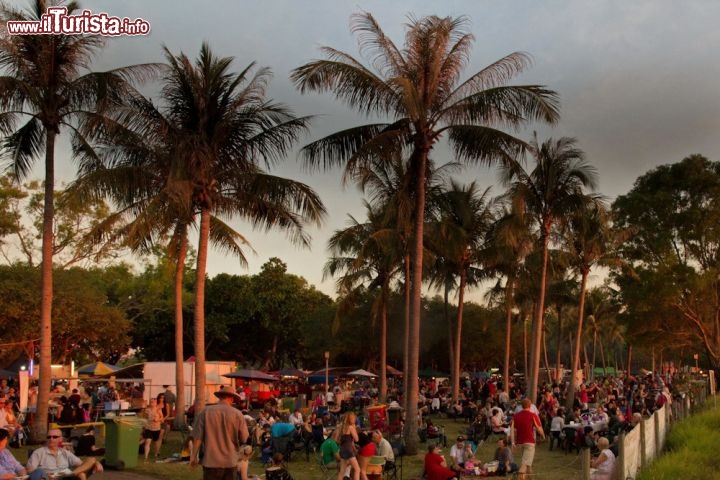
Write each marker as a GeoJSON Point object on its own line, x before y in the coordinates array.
{"type": "Point", "coordinates": [672, 279]}
{"type": "Point", "coordinates": [419, 90]}
{"type": "Point", "coordinates": [87, 325]}
{"type": "Point", "coordinates": [43, 85]}
{"type": "Point", "coordinates": [550, 192]}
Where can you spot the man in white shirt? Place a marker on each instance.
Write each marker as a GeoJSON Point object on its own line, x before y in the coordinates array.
{"type": "Point", "coordinates": [457, 454]}
{"type": "Point", "coordinates": [383, 447]}
{"type": "Point", "coordinates": [296, 418]}
{"type": "Point", "coordinates": [53, 458]}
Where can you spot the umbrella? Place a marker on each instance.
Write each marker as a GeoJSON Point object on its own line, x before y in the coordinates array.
{"type": "Point", "coordinates": [7, 374]}
{"type": "Point", "coordinates": [250, 374]}
{"type": "Point", "coordinates": [361, 373]}
{"type": "Point", "coordinates": [291, 372]}
{"type": "Point", "coordinates": [97, 368]}
{"type": "Point", "coordinates": [393, 371]}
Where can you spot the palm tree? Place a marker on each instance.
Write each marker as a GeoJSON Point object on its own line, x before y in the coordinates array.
{"type": "Point", "coordinates": [43, 85]}
{"type": "Point", "coordinates": [418, 89]}
{"type": "Point", "coordinates": [510, 242]}
{"type": "Point", "coordinates": [214, 128]}
{"type": "Point", "coordinates": [368, 254]}
{"type": "Point", "coordinates": [464, 215]}
{"type": "Point", "coordinates": [551, 191]}
{"type": "Point", "coordinates": [589, 235]}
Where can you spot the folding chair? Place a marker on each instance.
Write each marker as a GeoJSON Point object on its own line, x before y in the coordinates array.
{"type": "Point", "coordinates": [324, 469]}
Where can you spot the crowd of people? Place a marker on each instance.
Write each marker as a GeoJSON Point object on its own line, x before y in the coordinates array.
{"type": "Point", "coordinates": [331, 426]}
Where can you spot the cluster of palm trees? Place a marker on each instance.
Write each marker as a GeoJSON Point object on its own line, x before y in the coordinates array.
{"type": "Point", "coordinates": [199, 156]}
{"type": "Point", "coordinates": [419, 92]}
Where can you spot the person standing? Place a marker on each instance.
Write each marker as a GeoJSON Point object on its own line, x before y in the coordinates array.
{"type": "Point", "coordinates": [151, 434]}
{"type": "Point", "coordinates": [523, 428]}
{"type": "Point", "coordinates": [170, 400]}
{"type": "Point", "coordinates": [220, 429]}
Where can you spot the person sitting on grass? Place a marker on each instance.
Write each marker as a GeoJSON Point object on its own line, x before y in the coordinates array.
{"type": "Point", "coordinates": [54, 459]}
{"type": "Point", "coordinates": [277, 470]}
{"type": "Point", "coordinates": [9, 466]}
{"type": "Point", "coordinates": [436, 467]}
{"type": "Point", "coordinates": [86, 444]}
{"type": "Point", "coordinates": [243, 465]}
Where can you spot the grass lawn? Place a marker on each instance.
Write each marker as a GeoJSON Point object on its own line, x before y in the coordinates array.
{"type": "Point", "coordinates": [548, 465]}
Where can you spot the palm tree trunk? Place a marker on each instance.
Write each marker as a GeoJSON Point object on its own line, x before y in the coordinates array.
{"type": "Point", "coordinates": [179, 326]}
{"type": "Point", "coordinates": [535, 365]}
{"type": "Point", "coordinates": [525, 346]}
{"type": "Point", "coordinates": [411, 375]}
{"type": "Point", "coordinates": [451, 333]}
{"type": "Point", "coordinates": [383, 345]}
{"type": "Point", "coordinates": [200, 310]}
{"type": "Point", "coordinates": [602, 356]}
{"type": "Point", "coordinates": [508, 331]}
{"type": "Point", "coordinates": [406, 337]}
{"type": "Point", "coordinates": [578, 339]}
{"type": "Point", "coordinates": [558, 346]}
{"type": "Point", "coordinates": [458, 337]}
{"type": "Point", "coordinates": [547, 360]}
{"type": "Point", "coordinates": [41, 418]}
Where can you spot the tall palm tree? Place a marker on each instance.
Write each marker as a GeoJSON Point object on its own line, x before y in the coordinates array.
{"type": "Point", "coordinates": [589, 236]}
{"type": "Point", "coordinates": [464, 217]}
{"type": "Point", "coordinates": [228, 127]}
{"type": "Point", "coordinates": [510, 242]}
{"type": "Point", "coordinates": [420, 95]}
{"type": "Point", "coordinates": [551, 191]}
{"type": "Point", "coordinates": [369, 255]}
{"type": "Point", "coordinates": [214, 129]}
{"type": "Point", "coordinates": [46, 84]}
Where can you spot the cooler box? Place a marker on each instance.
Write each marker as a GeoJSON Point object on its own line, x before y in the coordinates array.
{"type": "Point", "coordinates": [377, 417]}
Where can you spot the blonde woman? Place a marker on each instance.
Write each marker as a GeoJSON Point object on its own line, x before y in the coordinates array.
{"type": "Point", "coordinates": [243, 465]}
{"type": "Point", "coordinates": [151, 434]}
{"type": "Point", "coordinates": [348, 435]}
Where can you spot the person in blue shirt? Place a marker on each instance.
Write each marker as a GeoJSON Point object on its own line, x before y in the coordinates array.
{"type": "Point", "coordinates": [9, 466]}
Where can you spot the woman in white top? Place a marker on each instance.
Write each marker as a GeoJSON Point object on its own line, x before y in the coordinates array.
{"type": "Point", "coordinates": [605, 462]}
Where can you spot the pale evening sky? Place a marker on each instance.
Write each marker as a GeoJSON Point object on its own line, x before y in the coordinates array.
{"type": "Point", "coordinates": [638, 81]}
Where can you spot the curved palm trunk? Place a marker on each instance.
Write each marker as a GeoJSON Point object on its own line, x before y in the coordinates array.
{"type": "Point", "coordinates": [537, 341]}
{"type": "Point", "coordinates": [411, 375]}
{"type": "Point", "coordinates": [578, 339]}
{"type": "Point", "coordinates": [200, 310]}
{"type": "Point", "coordinates": [40, 426]}
{"type": "Point", "coordinates": [383, 346]}
{"type": "Point", "coordinates": [509, 286]}
{"type": "Point", "coordinates": [458, 336]}
{"type": "Point", "coordinates": [179, 326]}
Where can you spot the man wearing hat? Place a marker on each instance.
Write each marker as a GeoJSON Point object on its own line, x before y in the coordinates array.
{"type": "Point", "coordinates": [457, 454]}
{"type": "Point", "coordinates": [220, 429]}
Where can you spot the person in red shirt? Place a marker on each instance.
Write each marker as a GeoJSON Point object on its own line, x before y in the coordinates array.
{"type": "Point", "coordinates": [435, 465]}
{"type": "Point", "coordinates": [522, 430]}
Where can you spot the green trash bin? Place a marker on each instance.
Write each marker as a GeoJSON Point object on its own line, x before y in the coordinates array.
{"type": "Point", "coordinates": [122, 438]}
